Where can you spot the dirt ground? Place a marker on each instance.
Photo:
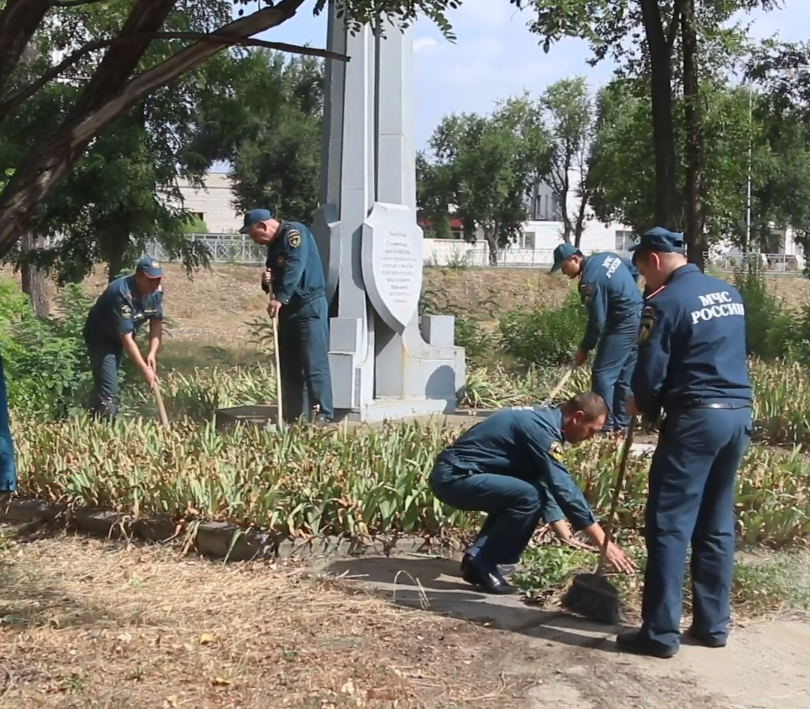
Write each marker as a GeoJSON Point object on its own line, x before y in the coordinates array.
{"type": "Point", "coordinates": [218, 305]}
{"type": "Point", "coordinates": [95, 624]}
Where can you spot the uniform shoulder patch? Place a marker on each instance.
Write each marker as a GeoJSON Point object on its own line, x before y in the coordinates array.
{"type": "Point", "coordinates": [126, 311]}
{"type": "Point", "coordinates": [647, 322]}
{"type": "Point", "coordinates": [294, 238]}
{"type": "Point", "coordinates": [555, 450]}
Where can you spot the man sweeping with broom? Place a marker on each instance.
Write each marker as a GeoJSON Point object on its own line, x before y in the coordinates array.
{"type": "Point", "coordinates": [692, 364]}
{"type": "Point", "coordinates": [510, 466]}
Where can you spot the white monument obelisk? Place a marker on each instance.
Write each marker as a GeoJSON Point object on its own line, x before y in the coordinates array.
{"type": "Point", "coordinates": [384, 365]}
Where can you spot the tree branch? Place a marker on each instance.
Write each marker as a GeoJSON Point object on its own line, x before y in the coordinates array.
{"type": "Point", "coordinates": [19, 19]}
{"type": "Point", "coordinates": [76, 3]}
{"type": "Point", "coordinates": [21, 96]}
{"type": "Point", "coordinates": [672, 31]}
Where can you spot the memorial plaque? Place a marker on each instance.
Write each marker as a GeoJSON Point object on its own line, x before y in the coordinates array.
{"type": "Point", "coordinates": [392, 263]}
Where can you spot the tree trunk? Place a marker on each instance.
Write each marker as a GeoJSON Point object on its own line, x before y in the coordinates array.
{"type": "Point", "coordinates": [660, 52]}
{"type": "Point", "coordinates": [491, 237]}
{"type": "Point", "coordinates": [695, 238]}
{"type": "Point", "coordinates": [579, 227]}
{"type": "Point", "coordinates": [33, 279]}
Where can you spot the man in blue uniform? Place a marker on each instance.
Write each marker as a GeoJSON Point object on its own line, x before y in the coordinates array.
{"type": "Point", "coordinates": [294, 272]}
{"type": "Point", "coordinates": [609, 291]}
{"type": "Point", "coordinates": [510, 466]}
{"type": "Point", "coordinates": [692, 365]}
{"type": "Point", "coordinates": [110, 329]}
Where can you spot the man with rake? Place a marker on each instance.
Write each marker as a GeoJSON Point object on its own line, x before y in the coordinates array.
{"type": "Point", "coordinates": [294, 275]}
{"type": "Point", "coordinates": [693, 365]}
{"type": "Point", "coordinates": [109, 331]}
{"type": "Point", "coordinates": [607, 288]}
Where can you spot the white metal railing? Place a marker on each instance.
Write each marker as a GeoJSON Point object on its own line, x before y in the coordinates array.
{"type": "Point", "coordinates": [239, 249]}
{"type": "Point", "coordinates": [776, 264]}
{"type": "Point", "coordinates": [224, 248]}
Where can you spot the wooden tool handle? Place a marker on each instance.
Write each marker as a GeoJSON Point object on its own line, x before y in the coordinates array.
{"type": "Point", "coordinates": [557, 389]}
{"type": "Point", "coordinates": [164, 420]}
{"type": "Point", "coordinates": [614, 503]}
{"type": "Point", "coordinates": [280, 413]}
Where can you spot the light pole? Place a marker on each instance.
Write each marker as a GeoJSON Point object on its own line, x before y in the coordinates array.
{"type": "Point", "coordinates": [750, 160]}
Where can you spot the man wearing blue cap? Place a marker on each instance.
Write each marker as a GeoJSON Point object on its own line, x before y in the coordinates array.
{"type": "Point", "coordinates": [692, 365]}
{"type": "Point", "coordinates": [110, 329]}
{"type": "Point", "coordinates": [511, 467]}
{"type": "Point", "coordinates": [609, 291]}
{"type": "Point", "coordinates": [294, 274]}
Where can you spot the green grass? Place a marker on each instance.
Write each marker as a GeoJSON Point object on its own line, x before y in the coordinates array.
{"type": "Point", "coordinates": [777, 581]}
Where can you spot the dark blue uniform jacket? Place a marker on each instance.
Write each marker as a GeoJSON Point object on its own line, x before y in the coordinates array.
{"type": "Point", "coordinates": [691, 345]}
{"type": "Point", "coordinates": [296, 267]}
{"type": "Point", "coordinates": [525, 444]}
{"type": "Point", "coordinates": [609, 291]}
{"type": "Point", "coordinates": [120, 310]}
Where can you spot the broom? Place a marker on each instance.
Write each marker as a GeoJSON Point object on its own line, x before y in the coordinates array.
{"type": "Point", "coordinates": [592, 595]}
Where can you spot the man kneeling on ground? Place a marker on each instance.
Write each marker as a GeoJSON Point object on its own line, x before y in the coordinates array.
{"type": "Point", "coordinates": [510, 466]}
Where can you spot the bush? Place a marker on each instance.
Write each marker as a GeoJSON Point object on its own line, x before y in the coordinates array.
{"type": "Point", "coordinates": [46, 365]}
{"type": "Point", "coordinates": [544, 337]}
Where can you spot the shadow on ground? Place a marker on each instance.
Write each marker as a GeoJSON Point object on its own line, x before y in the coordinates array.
{"type": "Point", "coordinates": [435, 586]}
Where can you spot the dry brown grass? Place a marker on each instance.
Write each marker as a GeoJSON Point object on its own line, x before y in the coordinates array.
{"type": "Point", "coordinates": [209, 315]}
{"type": "Point", "coordinates": [95, 624]}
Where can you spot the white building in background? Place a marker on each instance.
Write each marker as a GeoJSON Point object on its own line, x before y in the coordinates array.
{"type": "Point", "coordinates": [213, 204]}
{"type": "Point", "coordinates": [534, 248]}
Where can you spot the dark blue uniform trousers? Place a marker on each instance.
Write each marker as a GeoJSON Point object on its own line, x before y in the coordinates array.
{"type": "Point", "coordinates": [613, 366]}
{"type": "Point", "coordinates": [8, 470]}
{"type": "Point", "coordinates": [106, 356]}
{"type": "Point", "coordinates": [303, 343]}
{"type": "Point", "coordinates": [691, 498]}
{"type": "Point", "coordinates": [513, 507]}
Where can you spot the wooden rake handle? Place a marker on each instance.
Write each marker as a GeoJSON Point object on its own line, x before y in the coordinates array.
{"type": "Point", "coordinates": [557, 389]}
{"type": "Point", "coordinates": [280, 413]}
{"type": "Point", "coordinates": [614, 503]}
{"type": "Point", "coordinates": [164, 420]}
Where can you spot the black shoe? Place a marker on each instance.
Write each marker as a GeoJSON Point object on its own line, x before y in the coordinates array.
{"type": "Point", "coordinates": [321, 420]}
{"type": "Point", "coordinates": [712, 641]}
{"type": "Point", "coordinates": [488, 580]}
{"type": "Point", "coordinates": [504, 569]}
{"type": "Point", "coordinates": [638, 644]}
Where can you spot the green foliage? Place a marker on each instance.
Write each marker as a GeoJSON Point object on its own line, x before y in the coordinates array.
{"type": "Point", "coordinates": [276, 161]}
{"type": "Point", "coordinates": [195, 225]}
{"type": "Point", "coordinates": [46, 367]}
{"type": "Point", "coordinates": [772, 331]}
{"type": "Point", "coordinates": [484, 166]}
{"type": "Point", "coordinates": [567, 111]}
{"type": "Point", "coordinates": [537, 336]}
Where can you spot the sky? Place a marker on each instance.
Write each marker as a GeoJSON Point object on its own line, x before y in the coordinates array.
{"type": "Point", "coordinates": [496, 57]}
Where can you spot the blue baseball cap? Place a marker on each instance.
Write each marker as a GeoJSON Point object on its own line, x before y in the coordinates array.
{"type": "Point", "coordinates": [149, 267]}
{"type": "Point", "coordinates": [562, 252]}
{"type": "Point", "coordinates": [254, 216]}
{"type": "Point", "coordinates": [661, 240]}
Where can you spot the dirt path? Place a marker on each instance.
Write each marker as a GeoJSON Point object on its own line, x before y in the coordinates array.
{"type": "Point", "coordinates": [95, 624]}
{"type": "Point", "coordinates": [565, 662]}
